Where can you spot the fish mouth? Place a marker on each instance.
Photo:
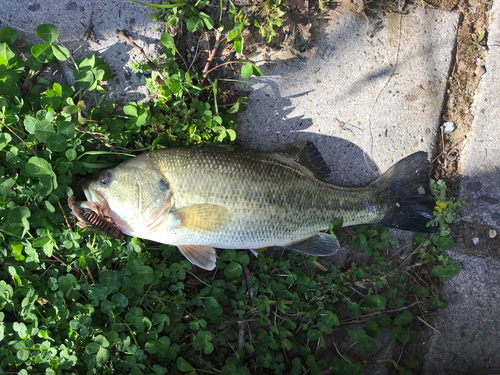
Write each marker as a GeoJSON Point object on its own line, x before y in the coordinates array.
{"type": "Point", "coordinates": [94, 214]}
{"type": "Point", "coordinates": [96, 200]}
{"type": "Point", "coordinates": [86, 190]}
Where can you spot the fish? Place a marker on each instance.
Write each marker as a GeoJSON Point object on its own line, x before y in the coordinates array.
{"type": "Point", "coordinates": [215, 197]}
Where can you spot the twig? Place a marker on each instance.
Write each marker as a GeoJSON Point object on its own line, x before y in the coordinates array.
{"type": "Point", "coordinates": [118, 148]}
{"type": "Point", "coordinates": [442, 141]}
{"type": "Point", "coordinates": [27, 84]}
{"type": "Point", "coordinates": [338, 351]}
{"type": "Point", "coordinates": [16, 27]}
{"type": "Point", "coordinates": [418, 264]}
{"type": "Point", "coordinates": [218, 40]}
{"type": "Point", "coordinates": [449, 150]}
{"type": "Point", "coordinates": [145, 294]}
{"type": "Point", "coordinates": [90, 274]}
{"type": "Point", "coordinates": [22, 140]}
{"type": "Point", "coordinates": [368, 316]}
{"type": "Point", "coordinates": [89, 132]}
{"type": "Point", "coordinates": [65, 217]}
{"type": "Point", "coordinates": [196, 51]}
{"type": "Point", "coordinates": [224, 63]}
{"type": "Point", "coordinates": [128, 40]}
{"type": "Point", "coordinates": [241, 335]}
{"type": "Point", "coordinates": [62, 262]}
{"type": "Point", "coordinates": [247, 275]}
{"type": "Point", "coordinates": [402, 350]}
{"type": "Point", "coordinates": [428, 325]}
{"type": "Point", "coordinates": [350, 346]}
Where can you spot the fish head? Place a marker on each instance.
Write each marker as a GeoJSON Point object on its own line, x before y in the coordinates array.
{"type": "Point", "coordinates": [136, 195]}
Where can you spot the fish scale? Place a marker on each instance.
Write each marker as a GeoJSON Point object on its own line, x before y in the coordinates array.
{"type": "Point", "coordinates": [271, 199]}
{"type": "Point", "coordinates": [203, 198]}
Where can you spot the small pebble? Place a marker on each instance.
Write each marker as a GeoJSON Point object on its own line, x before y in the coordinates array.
{"type": "Point", "coordinates": [480, 70]}
{"type": "Point", "coordinates": [449, 127]}
{"type": "Point", "coordinates": [475, 240]}
{"type": "Point", "coordinates": [493, 233]}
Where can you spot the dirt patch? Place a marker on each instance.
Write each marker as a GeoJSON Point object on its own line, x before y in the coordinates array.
{"type": "Point", "coordinates": [476, 239]}
{"type": "Point", "coordinates": [465, 76]}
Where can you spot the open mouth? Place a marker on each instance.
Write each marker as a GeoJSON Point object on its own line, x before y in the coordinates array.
{"type": "Point", "coordinates": [92, 215]}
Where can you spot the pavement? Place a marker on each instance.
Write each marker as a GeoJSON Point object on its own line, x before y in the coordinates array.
{"type": "Point", "coordinates": [366, 101]}
{"type": "Point", "coordinates": [470, 326]}
{"type": "Point", "coordinates": [367, 95]}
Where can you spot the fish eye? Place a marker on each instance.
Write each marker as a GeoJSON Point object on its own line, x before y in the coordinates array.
{"type": "Point", "coordinates": [105, 178]}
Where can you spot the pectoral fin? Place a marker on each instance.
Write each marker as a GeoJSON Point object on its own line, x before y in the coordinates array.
{"type": "Point", "coordinates": [203, 218]}
{"type": "Point", "coordinates": [200, 255]}
{"type": "Point", "coordinates": [321, 244]}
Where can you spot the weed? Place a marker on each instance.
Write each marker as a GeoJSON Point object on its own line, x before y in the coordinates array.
{"type": "Point", "coordinates": [273, 14]}
{"type": "Point", "coordinates": [179, 114]}
{"type": "Point", "coordinates": [190, 13]}
{"type": "Point", "coordinates": [426, 4]}
{"type": "Point", "coordinates": [323, 4]}
{"type": "Point", "coordinates": [446, 212]}
{"type": "Point", "coordinates": [75, 301]}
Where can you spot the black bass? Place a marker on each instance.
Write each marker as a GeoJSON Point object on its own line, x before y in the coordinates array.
{"type": "Point", "coordinates": [203, 198]}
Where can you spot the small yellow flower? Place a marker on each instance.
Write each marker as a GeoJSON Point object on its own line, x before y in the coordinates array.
{"type": "Point", "coordinates": [442, 205]}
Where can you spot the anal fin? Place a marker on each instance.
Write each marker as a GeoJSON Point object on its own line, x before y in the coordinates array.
{"type": "Point", "coordinates": [200, 255]}
{"type": "Point", "coordinates": [321, 244]}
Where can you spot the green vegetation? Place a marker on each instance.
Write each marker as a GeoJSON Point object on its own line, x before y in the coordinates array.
{"type": "Point", "coordinates": [267, 15]}
{"type": "Point", "coordinates": [176, 12]}
{"type": "Point", "coordinates": [74, 301]}
{"type": "Point", "coordinates": [184, 112]}
{"type": "Point", "coordinates": [272, 13]}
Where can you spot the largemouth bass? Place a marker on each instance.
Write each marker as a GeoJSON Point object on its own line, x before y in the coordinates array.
{"type": "Point", "coordinates": [203, 198]}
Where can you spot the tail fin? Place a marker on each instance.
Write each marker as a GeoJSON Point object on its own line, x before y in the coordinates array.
{"type": "Point", "coordinates": [407, 183]}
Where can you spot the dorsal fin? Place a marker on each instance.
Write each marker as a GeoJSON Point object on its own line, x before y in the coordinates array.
{"type": "Point", "coordinates": [306, 154]}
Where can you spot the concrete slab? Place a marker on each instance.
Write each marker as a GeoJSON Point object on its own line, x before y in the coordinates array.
{"type": "Point", "coordinates": [470, 327]}
{"type": "Point", "coordinates": [357, 97]}
{"type": "Point", "coordinates": [481, 174]}
{"type": "Point", "coordinates": [73, 19]}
